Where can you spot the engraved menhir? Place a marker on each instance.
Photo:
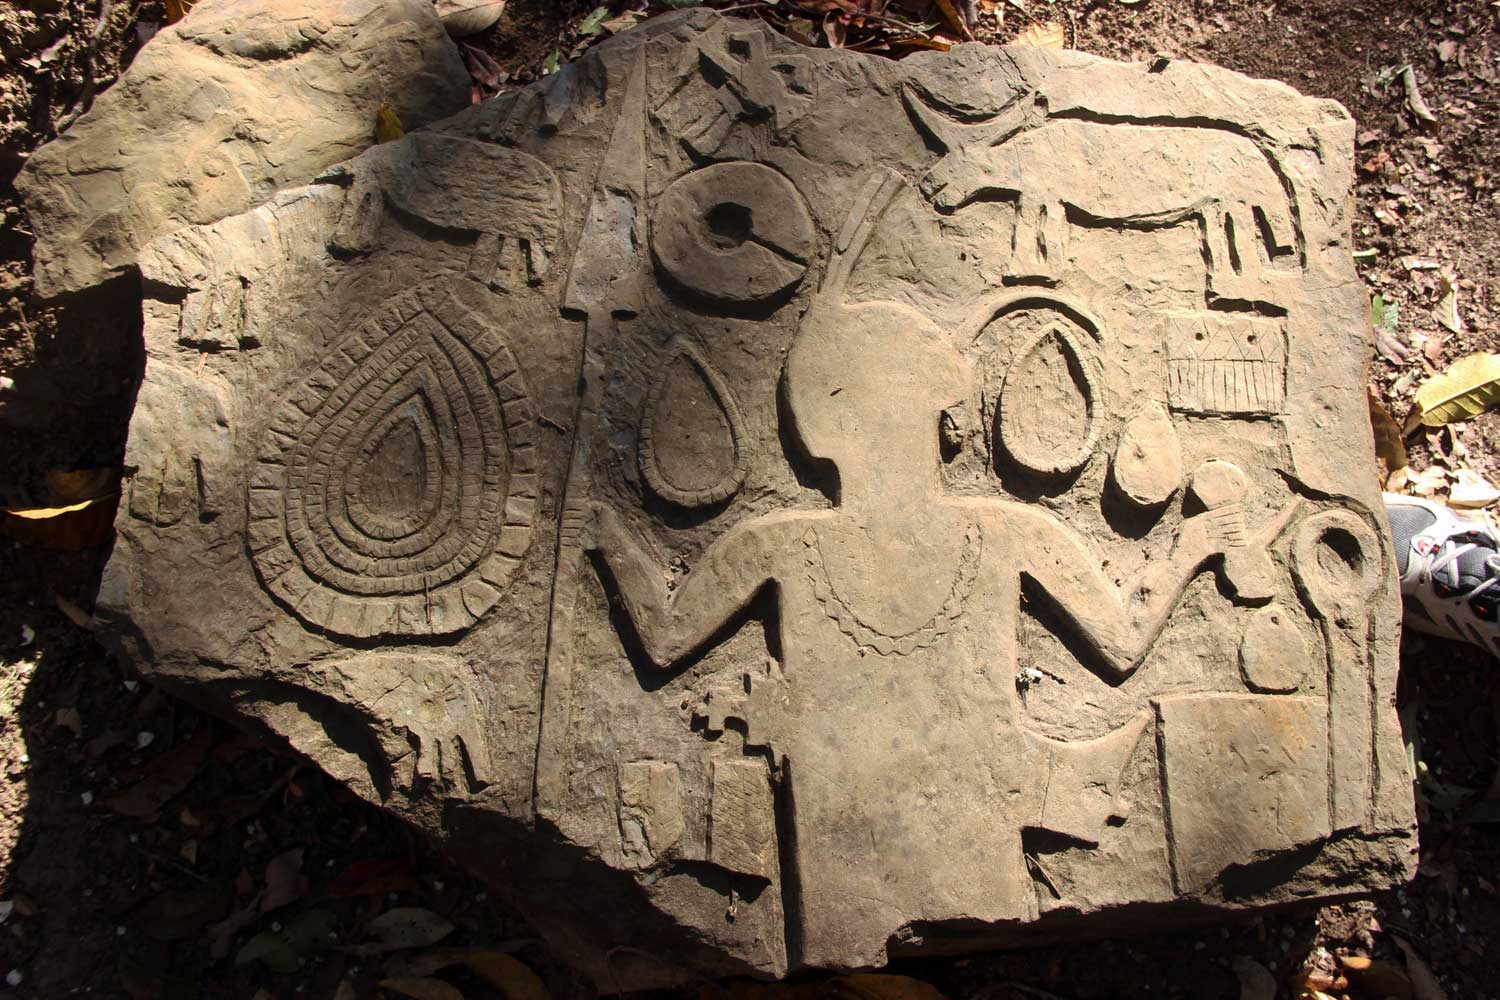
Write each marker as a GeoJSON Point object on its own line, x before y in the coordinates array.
{"type": "Point", "coordinates": [395, 488]}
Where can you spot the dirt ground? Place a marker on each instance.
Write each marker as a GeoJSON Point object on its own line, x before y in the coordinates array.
{"type": "Point", "coordinates": [144, 845]}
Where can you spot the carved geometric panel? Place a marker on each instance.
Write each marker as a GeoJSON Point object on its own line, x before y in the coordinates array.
{"type": "Point", "coordinates": [395, 488]}
{"type": "Point", "coordinates": [1225, 365]}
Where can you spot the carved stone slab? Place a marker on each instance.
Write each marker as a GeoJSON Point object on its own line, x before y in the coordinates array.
{"type": "Point", "coordinates": [771, 508]}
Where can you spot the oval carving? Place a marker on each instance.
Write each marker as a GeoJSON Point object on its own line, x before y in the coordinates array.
{"type": "Point", "coordinates": [394, 489]}
{"type": "Point", "coordinates": [1147, 466]}
{"type": "Point", "coordinates": [1047, 419]}
{"type": "Point", "coordinates": [1274, 654]}
{"type": "Point", "coordinates": [691, 449]}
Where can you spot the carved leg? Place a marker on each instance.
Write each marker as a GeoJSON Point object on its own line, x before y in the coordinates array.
{"type": "Point", "coordinates": [1246, 243]}
{"type": "Point", "coordinates": [1222, 280]}
{"type": "Point", "coordinates": [358, 226]}
{"type": "Point", "coordinates": [1026, 243]}
{"type": "Point", "coordinates": [1054, 237]}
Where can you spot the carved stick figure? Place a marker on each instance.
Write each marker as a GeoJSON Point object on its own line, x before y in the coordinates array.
{"type": "Point", "coordinates": [896, 612]}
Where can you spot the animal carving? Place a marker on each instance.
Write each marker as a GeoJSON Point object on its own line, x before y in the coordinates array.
{"type": "Point", "coordinates": [437, 179]}
{"type": "Point", "coordinates": [1143, 176]}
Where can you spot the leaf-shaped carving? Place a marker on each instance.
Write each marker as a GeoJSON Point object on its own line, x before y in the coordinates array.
{"type": "Point", "coordinates": [395, 487]}
{"type": "Point", "coordinates": [692, 437]}
{"type": "Point", "coordinates": [1047, 419]}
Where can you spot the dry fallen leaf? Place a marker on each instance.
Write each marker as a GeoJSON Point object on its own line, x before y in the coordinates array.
{"type": "Point", "coordinates": [1471, 491]}
{"type": "Point", "coordinates": [1389, 447]}
{"type": "Point", "coordinates": [409, 927]}
{"type": "Point", "coordinates": [1446, 311]}
{"type": "Point", "coordinates": [423, 989]}
{"type": "Point", "coordinates": [176, 10]}
{"type": "Point", "coordinates": [881, 986]}
{"type": "Point", "coordinates": [1467, 388]}
{"type": "Point", "coordinates": [162, 779]}
{"type": "Point", "coordinates": [42, 513]}
{"type": "Point", "coordinates": [1425, 985]}
{"type": "Point", "coordinates": [1427, 482]}
{"type": "Point", "coordinates": [462, 18]}
{"type": "Point", "coordinates": [507, 974]}
{"type": "Point", "coordinates": [1376, 977]}
{"type": "Point", "coordinates": [1050, 35]}
{"type": "Point", "coordinates": [68, 718]}
{"type": "Point", "coordinates": [954, 18]}
{"type": "Point", "coordinates": [387, 124]}
{"type": "Point", "coordinates": [1256, 981]}
{"type": "Point", "coordinates": [285, 882]}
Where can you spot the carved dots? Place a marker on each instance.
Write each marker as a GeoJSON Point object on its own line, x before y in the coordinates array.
{"type": "Point", "coordinates": [394, 491]}
{"type": "Point", "coordinates": [733, 232]}
{"type": "Point", "coordinates": [692, 437]}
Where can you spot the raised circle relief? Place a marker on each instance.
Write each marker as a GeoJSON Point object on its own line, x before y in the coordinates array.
{"type": "Point", "coordinates": [733, 232]}
{"type": "Point", "coordinates": [395, 488]}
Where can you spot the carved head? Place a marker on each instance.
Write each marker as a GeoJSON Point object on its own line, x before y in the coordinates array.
{"type": "Point", "coordinates": [867, 383]}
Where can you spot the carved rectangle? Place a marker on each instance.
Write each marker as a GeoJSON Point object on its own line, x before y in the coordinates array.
{"type": "Point", "coordinates": [651, 822]}
{"type": "Point", "coordinates": [742, 825]}
{"type": "Point", "coordinates": [1260, 759]}
{"type": "Point", "coordinates": [1225, 365]}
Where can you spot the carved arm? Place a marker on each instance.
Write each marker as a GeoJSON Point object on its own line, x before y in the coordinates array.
{"type": "Point", "coordinates": [672, 624]}
{"type": "Point", "coordinates": [1121, 626]}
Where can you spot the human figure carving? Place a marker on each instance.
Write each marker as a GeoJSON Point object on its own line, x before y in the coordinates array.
{"type": "Point", "coordinates": [897, 613]}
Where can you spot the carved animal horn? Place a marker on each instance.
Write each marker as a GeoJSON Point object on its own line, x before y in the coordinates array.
{"type": "Point", "coordinates": [879, 189]}
{"type": "Point", "coordinates": [952, 134]}
{"type": "Point", "coordinates": [946, 132]}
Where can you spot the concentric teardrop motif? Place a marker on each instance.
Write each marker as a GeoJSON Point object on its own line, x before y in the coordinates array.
{"type": "Point", "coordinates": [691, 442]}
{"type": "Point", "coordinates": [1047, 419]}
{"type": "Point", "coordinates": [395, 488]}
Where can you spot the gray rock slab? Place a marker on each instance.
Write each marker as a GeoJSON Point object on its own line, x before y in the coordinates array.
{"type": "Point", "coordinates": [220, 111]}
{"type": "Point", "coordinates": [767, 508]}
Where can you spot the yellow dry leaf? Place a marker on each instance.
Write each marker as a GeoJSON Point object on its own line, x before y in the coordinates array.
{"type": "Point", "coordinates": [1466, 389]}
{"type": "Point", "coordinates": [1050, 35]}
{"type": "Point", "coordinates": [507, 974]}
{"type": "Point", "coordinates": [176, 10]}
{"type": "Point", "coordinates": [42, 513]}
{"type": "Point", "coordinates": [1389, 447]}
{"type": "Point", "coordinates": [387, 124]}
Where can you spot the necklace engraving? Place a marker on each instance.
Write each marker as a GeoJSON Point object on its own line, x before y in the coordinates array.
{"type": "Point", "coordinates": [869, 637]}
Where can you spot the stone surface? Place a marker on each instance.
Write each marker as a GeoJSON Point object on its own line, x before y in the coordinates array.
{"type": "Point", "coordinates": [218, 112]}
{"type": "Point", "coordinates": [771, 508]}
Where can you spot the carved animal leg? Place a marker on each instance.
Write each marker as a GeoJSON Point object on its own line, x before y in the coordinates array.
{"type": "Point", "coordinates": [358, 226]}
{"type": "Point", "coordinates": [1224, 281]}
{"type": "Point", "coordinates": [1029, 257]}
{"type": "Point", "coordinates": [1244, 240]}
{"type": "Point", "coordinates": [488, 263]}
{"type": "Point", "coordinates": [1054, 237]}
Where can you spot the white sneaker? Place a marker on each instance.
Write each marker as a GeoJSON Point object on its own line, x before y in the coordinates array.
{"type": "Point", "coordinates": [1450, 571]}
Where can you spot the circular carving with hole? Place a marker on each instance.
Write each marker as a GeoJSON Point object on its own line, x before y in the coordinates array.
{"type": "Point", "coordinates": [733, 232]}
{"type": "Point", "coordinates": [395, 487]}
{"type": "Point", "coordinates": [1338, 563]}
